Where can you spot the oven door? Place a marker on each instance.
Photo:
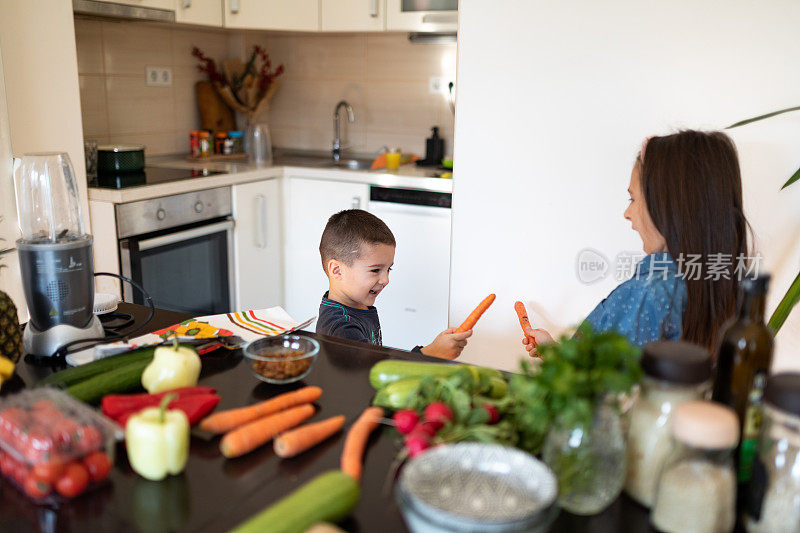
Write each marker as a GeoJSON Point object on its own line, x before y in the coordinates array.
{"type": "Point", "coordinates": [187, 270]}
{"type": "Point", "coordinates": [422, 15]}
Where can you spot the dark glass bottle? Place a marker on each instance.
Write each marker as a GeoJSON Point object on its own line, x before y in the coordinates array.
{"type": "Point", "coordinates": [743, 361]}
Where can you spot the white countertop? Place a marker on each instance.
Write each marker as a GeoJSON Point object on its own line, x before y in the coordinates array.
{"type": "Point", "coordinates": [407, 176]}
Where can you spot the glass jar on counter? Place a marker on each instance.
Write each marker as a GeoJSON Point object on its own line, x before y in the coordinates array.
{"type": "Point", "coordinates": [773, 504]}
{"type": "Point", "coordinates": [205, 143]}
{"type": "Point", "coordinates": [696, 490]}
{"type": "Point", "coordinates": [675, 372]}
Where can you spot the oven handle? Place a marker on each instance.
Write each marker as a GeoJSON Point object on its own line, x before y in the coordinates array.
{"type": "Point", "coordinates": [172, 238]}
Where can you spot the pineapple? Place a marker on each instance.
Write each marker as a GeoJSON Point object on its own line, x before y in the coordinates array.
{"type": "Point", "coordinates": [10, 330]}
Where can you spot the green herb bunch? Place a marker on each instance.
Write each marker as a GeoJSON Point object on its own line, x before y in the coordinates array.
{"type": "Point", "coordinates": [575, 375]}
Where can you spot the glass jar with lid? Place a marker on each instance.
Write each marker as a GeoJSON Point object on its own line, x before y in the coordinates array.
{"type": "Point", "coordinates": [774, 498]}
{"type": "Point", "coordinates": [674, 372]}
{"type": "Point", "coordinates": [696, 490]}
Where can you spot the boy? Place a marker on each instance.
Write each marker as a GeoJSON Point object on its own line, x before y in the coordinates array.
{"type": "Point", "coordinates": [357, 250]}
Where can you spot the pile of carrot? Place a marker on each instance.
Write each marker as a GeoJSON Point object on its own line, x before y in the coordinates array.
{"type": "Point", "coordinates": [248, 428]}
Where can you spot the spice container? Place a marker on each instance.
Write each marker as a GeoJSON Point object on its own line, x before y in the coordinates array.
{"type": "Point", "coordinates": [52, 445]}
{"type": "Point", "coordinates": [194, 143]}
{"type": "Point", "coordinates": [675, 372]}
{"type": "Point", "coordinates": [219, 142]}
{"type": "Point", "coordinates": [238, 141]}
{"type": "Point", "coordinates": [697, 487]}
{"type": "Point", "coordinates": [281, 359]}
{"type": "Point", "coordinates": [774, 499]}
{"type": "Point", "coordinates": [205, 144]}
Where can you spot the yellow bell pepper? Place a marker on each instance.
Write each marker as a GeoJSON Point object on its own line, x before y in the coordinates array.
{"type": "Point", "coordinates": [172, 367]}
{"type": "Point", "coordinates": [157, 440]}
{"type": "Point", "coordinates": [6, 369]}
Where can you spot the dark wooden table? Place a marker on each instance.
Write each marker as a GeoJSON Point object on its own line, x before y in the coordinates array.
{"type": "Point", "coordinates": [215, 494]}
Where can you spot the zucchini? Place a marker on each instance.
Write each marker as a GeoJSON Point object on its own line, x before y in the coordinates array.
{"type": "Point", "coordinates": [389, 371]}
{"type": "Point", "coordinates": [396, 395]}
{"type": "Point", "coordinates": [71, 376]}
{"type": "Point", "coordinates": [329, 497]}
{"type": "Point", "coordinates": [123, 379]}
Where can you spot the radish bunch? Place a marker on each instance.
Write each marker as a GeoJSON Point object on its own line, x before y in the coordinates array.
{"type": "Point", "coordinates": [419, 432]}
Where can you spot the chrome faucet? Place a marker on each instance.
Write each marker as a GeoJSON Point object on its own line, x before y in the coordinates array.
{"type": "Point", "coordinates": [337, 142]}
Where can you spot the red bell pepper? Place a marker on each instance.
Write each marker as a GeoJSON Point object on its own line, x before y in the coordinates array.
{"type": "Point", "coordinates": [196, 408]}
{"type": "Point", "coordinates": [116, 405]}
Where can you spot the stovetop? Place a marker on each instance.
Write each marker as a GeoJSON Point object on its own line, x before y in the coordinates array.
{"type": "Point", "coordinates": [149, 176]}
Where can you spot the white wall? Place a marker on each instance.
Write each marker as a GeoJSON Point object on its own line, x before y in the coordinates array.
{"type": "Point", "coordinates": [554, 99]}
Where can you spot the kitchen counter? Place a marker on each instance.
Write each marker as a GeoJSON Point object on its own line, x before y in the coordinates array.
{"type": "Point", "coordinates": [215, 494]}
{"type": "Point", "coordinates": [407, 176]}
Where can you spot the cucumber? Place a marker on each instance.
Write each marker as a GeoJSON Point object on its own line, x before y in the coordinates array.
{"type": "Point", "coordinates": [389, 371]}
{"type": "Point", "coordinates": [123, 379]}
{"type": "Point", "coordinates": [71, 376]}
{"type": "Point", "coordinates": [396, 395]}
{"type": "Point", "coordinates": [329, 497]}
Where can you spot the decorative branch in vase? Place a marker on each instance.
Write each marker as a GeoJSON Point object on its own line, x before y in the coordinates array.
{"type": "Point", "coordinates": [792, 296]}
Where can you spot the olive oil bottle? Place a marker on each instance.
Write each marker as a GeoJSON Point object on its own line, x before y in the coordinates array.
{"type": "Point", "coordinates": [743, 361]}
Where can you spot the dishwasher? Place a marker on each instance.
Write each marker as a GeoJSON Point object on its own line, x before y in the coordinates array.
{"type": "Point", "coordinates": [413, 307]}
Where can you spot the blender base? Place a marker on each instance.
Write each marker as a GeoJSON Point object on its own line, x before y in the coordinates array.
{"type": "Point", "coordinates": [44, 343]}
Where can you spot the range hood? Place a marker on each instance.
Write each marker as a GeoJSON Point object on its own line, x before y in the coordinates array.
{"type": "Point", "coordinates": [121, 11]}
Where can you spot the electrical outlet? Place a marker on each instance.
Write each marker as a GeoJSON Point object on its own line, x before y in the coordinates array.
{"type": "Point", "coordinates": [158, 76]}
{"type": "Point", "coordinates": [439, 85]}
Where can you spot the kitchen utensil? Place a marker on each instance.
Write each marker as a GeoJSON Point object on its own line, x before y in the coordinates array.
{"type": "Point", "coordinates": [475, 487]}
{"type": "Point", "coordinates": [55, 254]}
{"type": "Point", "coordinates": [115, 158]}
{"type": "Point", "coordinates": [282, 359]}
{"type": "Point", "coordinates": [215, 114]}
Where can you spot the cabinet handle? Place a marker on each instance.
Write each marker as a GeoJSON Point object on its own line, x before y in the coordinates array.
{"type": "Point", "coordinates": [234, 6]}
{"type": "Point", "coordinates": [261, 221]}
{"type": "Point", "coordinates": [187, 4]}
{"type": "Point", "coordinates": [373, 8]}
{"type": "Point", "coordinates": [356, 202]}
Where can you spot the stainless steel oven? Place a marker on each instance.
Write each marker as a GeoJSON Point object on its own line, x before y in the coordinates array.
{"type": "Point", "coordinates": [180, 249]}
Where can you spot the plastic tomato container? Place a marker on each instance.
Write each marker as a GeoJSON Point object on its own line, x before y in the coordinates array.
{"type": "Point", "coordinates": [44, 434]}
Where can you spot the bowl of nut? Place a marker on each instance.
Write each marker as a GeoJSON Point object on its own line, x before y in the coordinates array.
{"type": "Point", "coordinates": [281, 359]}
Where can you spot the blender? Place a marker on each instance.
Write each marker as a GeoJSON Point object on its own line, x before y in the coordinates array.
{"type": "Point", "coordinates": [55, 255]}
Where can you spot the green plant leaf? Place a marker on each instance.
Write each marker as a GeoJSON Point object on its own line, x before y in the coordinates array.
{"type": "Point", "coordinates": [795, 177]}
{"type": "Point", "coordinates": [785, 307]}
{"type": "Point", "coordinates": [762, 117]}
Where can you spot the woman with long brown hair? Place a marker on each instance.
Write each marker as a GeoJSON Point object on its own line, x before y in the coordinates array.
{"type": "Point", "coordinates": [686, 205]}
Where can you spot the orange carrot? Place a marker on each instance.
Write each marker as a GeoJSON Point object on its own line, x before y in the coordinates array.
{"type": "Point", "coordinates": [225, 421]}
{"type": "Point", "coordinates": [301, 439]}
{"type": "Point", "coordinates": [473, 317]}
{"type": "Point", "coordinates": [356, 441]}
{"type": "Point", "coordinates": [250, 436]}
{"type": "Point", "coordinates": [522, 313]}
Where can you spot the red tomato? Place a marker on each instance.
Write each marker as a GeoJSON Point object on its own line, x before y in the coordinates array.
{"type": "Point", "coordinates": [19, 472]}
{"type": "Point", "coordinates": [98, 464]}
{"type": "Point", "coordinates": [73, 481]}
{"type": "Point", "coordinates": [48, 471]}
{"type": "Point", "coordinates": [35, 487]}
{"type": "Point", "coordinates": [90, 439]}
{"type": "Point", "coordinates": [65, 431]}
{"type": "Point", "coordinates": [5, 464]}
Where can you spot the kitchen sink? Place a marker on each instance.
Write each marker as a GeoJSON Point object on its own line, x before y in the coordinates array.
{"type": "Point", "coordinates": [319, 160]}
{"type": "Point", "coordinates": [353, 164]}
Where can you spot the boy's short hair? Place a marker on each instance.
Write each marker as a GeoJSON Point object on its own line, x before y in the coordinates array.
{"type": "Point", "coordinates": [346, 231]}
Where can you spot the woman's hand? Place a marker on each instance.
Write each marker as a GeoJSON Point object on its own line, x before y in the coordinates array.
{"type": "Point", "coordinates": [539, 336]}
{"type": "Point", "coordinates": [448, 344]}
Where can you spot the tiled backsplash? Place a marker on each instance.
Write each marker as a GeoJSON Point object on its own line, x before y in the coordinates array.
{"type": "Point", "coordinates": [383, 76]}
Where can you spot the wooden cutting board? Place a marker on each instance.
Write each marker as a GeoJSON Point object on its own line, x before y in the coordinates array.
{"type": "Point", "coordinates": [215, 115]}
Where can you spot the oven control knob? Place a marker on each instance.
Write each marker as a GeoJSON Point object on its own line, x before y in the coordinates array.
{"type": "Point", "coordinates": [161, 214]}
{"type": "Point", "coordinates": [198, 207]}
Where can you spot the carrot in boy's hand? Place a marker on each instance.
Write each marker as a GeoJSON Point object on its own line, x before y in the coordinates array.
{"type": "Point", "coordinates": [304, 437]}
{"type": "Point", "coordinates": [522, 313]}
{"type": "Point", "coordinates": [473, 317]}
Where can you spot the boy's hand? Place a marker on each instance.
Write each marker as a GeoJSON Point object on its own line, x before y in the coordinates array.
{"type": "Point", "coordinates": [540, 336]}
{"type": "Point", "coordinates": [448, 344]}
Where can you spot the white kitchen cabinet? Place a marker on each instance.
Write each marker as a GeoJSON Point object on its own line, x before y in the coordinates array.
{"type": "Point", "coordinates": [353, 15]}
{"type": "Point", "coordinates": [290, 15]}
{"type": "Point", "coordinates": [205, 12]}
{"type": "Point", "coordinates": [157, 4]}
{"type": "Point", "coordinates": [309, 203]}
{"type": "Point", "coordinates": [257, 244]}
{"type": "Point", "coordinates": [419, 21]}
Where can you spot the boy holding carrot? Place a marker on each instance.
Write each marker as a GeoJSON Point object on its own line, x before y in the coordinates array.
{"type": "Point", "coordinates": [357, 250]}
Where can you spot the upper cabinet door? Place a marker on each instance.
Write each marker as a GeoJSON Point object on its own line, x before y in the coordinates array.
{"type": "Point", "coordinates": [158, 4]}
{"type": "Point", "coordinates": [411, 15]}
{"type": "Point", "coordinates": [353, 15]}
{"type": "Point", "coordinates": [296, 15]}
{"type": "Point", "coordinates": [205, 12]}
